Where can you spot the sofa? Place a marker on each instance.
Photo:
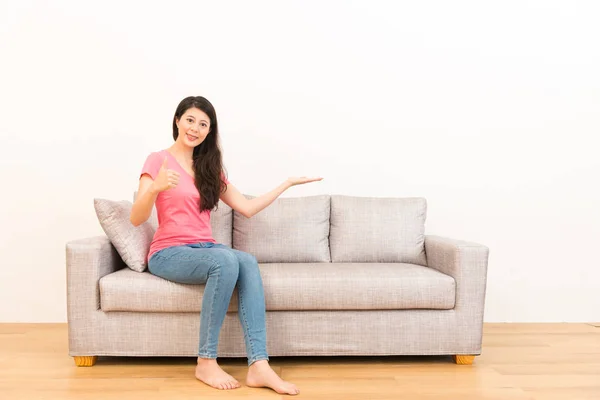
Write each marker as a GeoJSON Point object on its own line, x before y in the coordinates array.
{"type": "Point", "coordinates": [342, 275]}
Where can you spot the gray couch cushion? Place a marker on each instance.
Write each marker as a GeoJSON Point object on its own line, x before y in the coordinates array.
{"type": "Point", "coordinates": [369, 229]}
{"type": "Point", "coordinates": [303, 286]}
{"type": "Point", "coordinates": [221, 222]}
{"type": "Point", "coordinates": [293, 229]}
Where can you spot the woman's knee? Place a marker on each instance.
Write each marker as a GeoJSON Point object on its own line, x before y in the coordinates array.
{"type": "Point", "coordinates": [247, 261]}
{"type": "Point", "coordinates": [226, 264]}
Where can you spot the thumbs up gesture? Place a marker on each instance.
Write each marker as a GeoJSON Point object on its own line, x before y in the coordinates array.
{"type": "Point", "coordinates": [166, 178]}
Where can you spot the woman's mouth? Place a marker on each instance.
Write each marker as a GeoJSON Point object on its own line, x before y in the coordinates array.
{"type": "Point", "coordinates": [191, 137]}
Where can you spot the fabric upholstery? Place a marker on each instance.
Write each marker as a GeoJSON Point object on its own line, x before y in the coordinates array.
{"type": "Point", "coordinates": [467, 263]}
{"type": "Point", "coordinates": [373, 230]}
{"type": "Point", "coordinates": [294, 229]}
{"type": "Point", "coordinates": [132, 242]}
{"type": "Point", "coordinates": [289, 333]}
{"type": "Point", "coordinates": [221, 222]}
{"type": "Point", "coordinates": [289, 286]}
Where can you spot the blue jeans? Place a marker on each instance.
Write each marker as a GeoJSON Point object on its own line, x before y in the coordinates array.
{"type": "Point", "coordinates": [220, 268]}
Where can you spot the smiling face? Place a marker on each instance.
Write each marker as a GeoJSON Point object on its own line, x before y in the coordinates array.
{"type": "Point", "coordinates": [193, 126]}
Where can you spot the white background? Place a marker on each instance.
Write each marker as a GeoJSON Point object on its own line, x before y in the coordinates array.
{"type": "Point", "coordinates": [490, 110]}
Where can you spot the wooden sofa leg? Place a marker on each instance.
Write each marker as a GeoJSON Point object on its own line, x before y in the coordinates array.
{"type": "Point", "coordinates": [85, 361]}
{"type": "Point", "coordinates": [463, 359]}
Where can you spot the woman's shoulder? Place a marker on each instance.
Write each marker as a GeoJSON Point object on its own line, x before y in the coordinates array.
{"type": "Point", "coordinates": [157, 154]}
{"type": "Point", "coordinates": [154, 160]}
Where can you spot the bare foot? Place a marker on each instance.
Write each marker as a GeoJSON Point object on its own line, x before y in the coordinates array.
{"type": "Point", "coordinates": [209, 372]}
{"type": "Point", "coordinates": [260, 374]}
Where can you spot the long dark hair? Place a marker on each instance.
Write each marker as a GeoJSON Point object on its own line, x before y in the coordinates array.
{"type": "Point", "coordinates": [208, 162]}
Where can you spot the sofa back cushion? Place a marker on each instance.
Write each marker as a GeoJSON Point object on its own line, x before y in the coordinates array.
{"type": "Point", "coordinates": [221, 222]}
{"type": "Point", "coordinates": [370, 229]}
{"type": "Point", "coordinates": [293, 229]}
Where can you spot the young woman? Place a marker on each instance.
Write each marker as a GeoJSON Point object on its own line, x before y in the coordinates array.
{"type": "Point", "coordinates": [185, 182]}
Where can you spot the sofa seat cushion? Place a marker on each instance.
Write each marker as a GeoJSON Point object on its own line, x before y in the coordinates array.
{"type": "Point", "coordinates": [294, 286]}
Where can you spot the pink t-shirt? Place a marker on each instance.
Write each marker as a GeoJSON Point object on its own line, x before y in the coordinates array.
{"type": "Point", "coordinates": [179, 218]}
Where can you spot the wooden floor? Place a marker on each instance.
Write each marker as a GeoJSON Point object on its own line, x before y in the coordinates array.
{"type": "Point", "coordinates": [519, 361]}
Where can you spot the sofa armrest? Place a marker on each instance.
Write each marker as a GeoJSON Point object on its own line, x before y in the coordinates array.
{"type": "Point", "coordinates": [467, 263]}
{"type": "Point", "coordinates": [88, 260]}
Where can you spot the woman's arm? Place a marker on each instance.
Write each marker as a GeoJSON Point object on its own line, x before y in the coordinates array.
{"type": "Point", "coordinates": [146, 197]}
{"type": "Point", "coordinates": [148, 192]}
{"type": "Point", "coordinates": [250, 207]}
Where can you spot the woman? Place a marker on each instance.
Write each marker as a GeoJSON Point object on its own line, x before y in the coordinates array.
{"type": "Point", "coordinates": [186, 182]}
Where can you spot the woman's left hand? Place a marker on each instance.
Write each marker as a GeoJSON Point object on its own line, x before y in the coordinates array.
{"type": "Point", "coordinates": [299, 180]}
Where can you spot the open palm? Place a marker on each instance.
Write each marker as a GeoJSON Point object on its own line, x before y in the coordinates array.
{"type": "Point", "coordinates": [299, 180]}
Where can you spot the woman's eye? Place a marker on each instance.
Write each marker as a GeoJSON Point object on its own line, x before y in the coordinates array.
{"type": "Point", "coordinates": [190, 121]}
{"type": "Point", "coordinates": [204, 125]}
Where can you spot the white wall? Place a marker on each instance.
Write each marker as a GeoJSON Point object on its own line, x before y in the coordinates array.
{"type": "Point", "coordinates": [489, 110]}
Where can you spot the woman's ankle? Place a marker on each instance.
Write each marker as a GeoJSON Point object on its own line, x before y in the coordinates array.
{"type": "Point", "coordinates": [259, 363]}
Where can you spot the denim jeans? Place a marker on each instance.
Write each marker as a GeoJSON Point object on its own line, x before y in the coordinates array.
{"type": "Point", "coordinates": [220, 268]}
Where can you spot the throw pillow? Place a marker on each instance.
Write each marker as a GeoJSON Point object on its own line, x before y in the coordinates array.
{"type": "Point", "coordinates": [131, 242]}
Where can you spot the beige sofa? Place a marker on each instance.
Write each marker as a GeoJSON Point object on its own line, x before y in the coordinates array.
{"type": "Point", "coordinates": [342, 275]}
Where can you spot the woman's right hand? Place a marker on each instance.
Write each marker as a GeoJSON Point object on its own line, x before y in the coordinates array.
{"type": "Point", "coordinates": [166, 178]}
